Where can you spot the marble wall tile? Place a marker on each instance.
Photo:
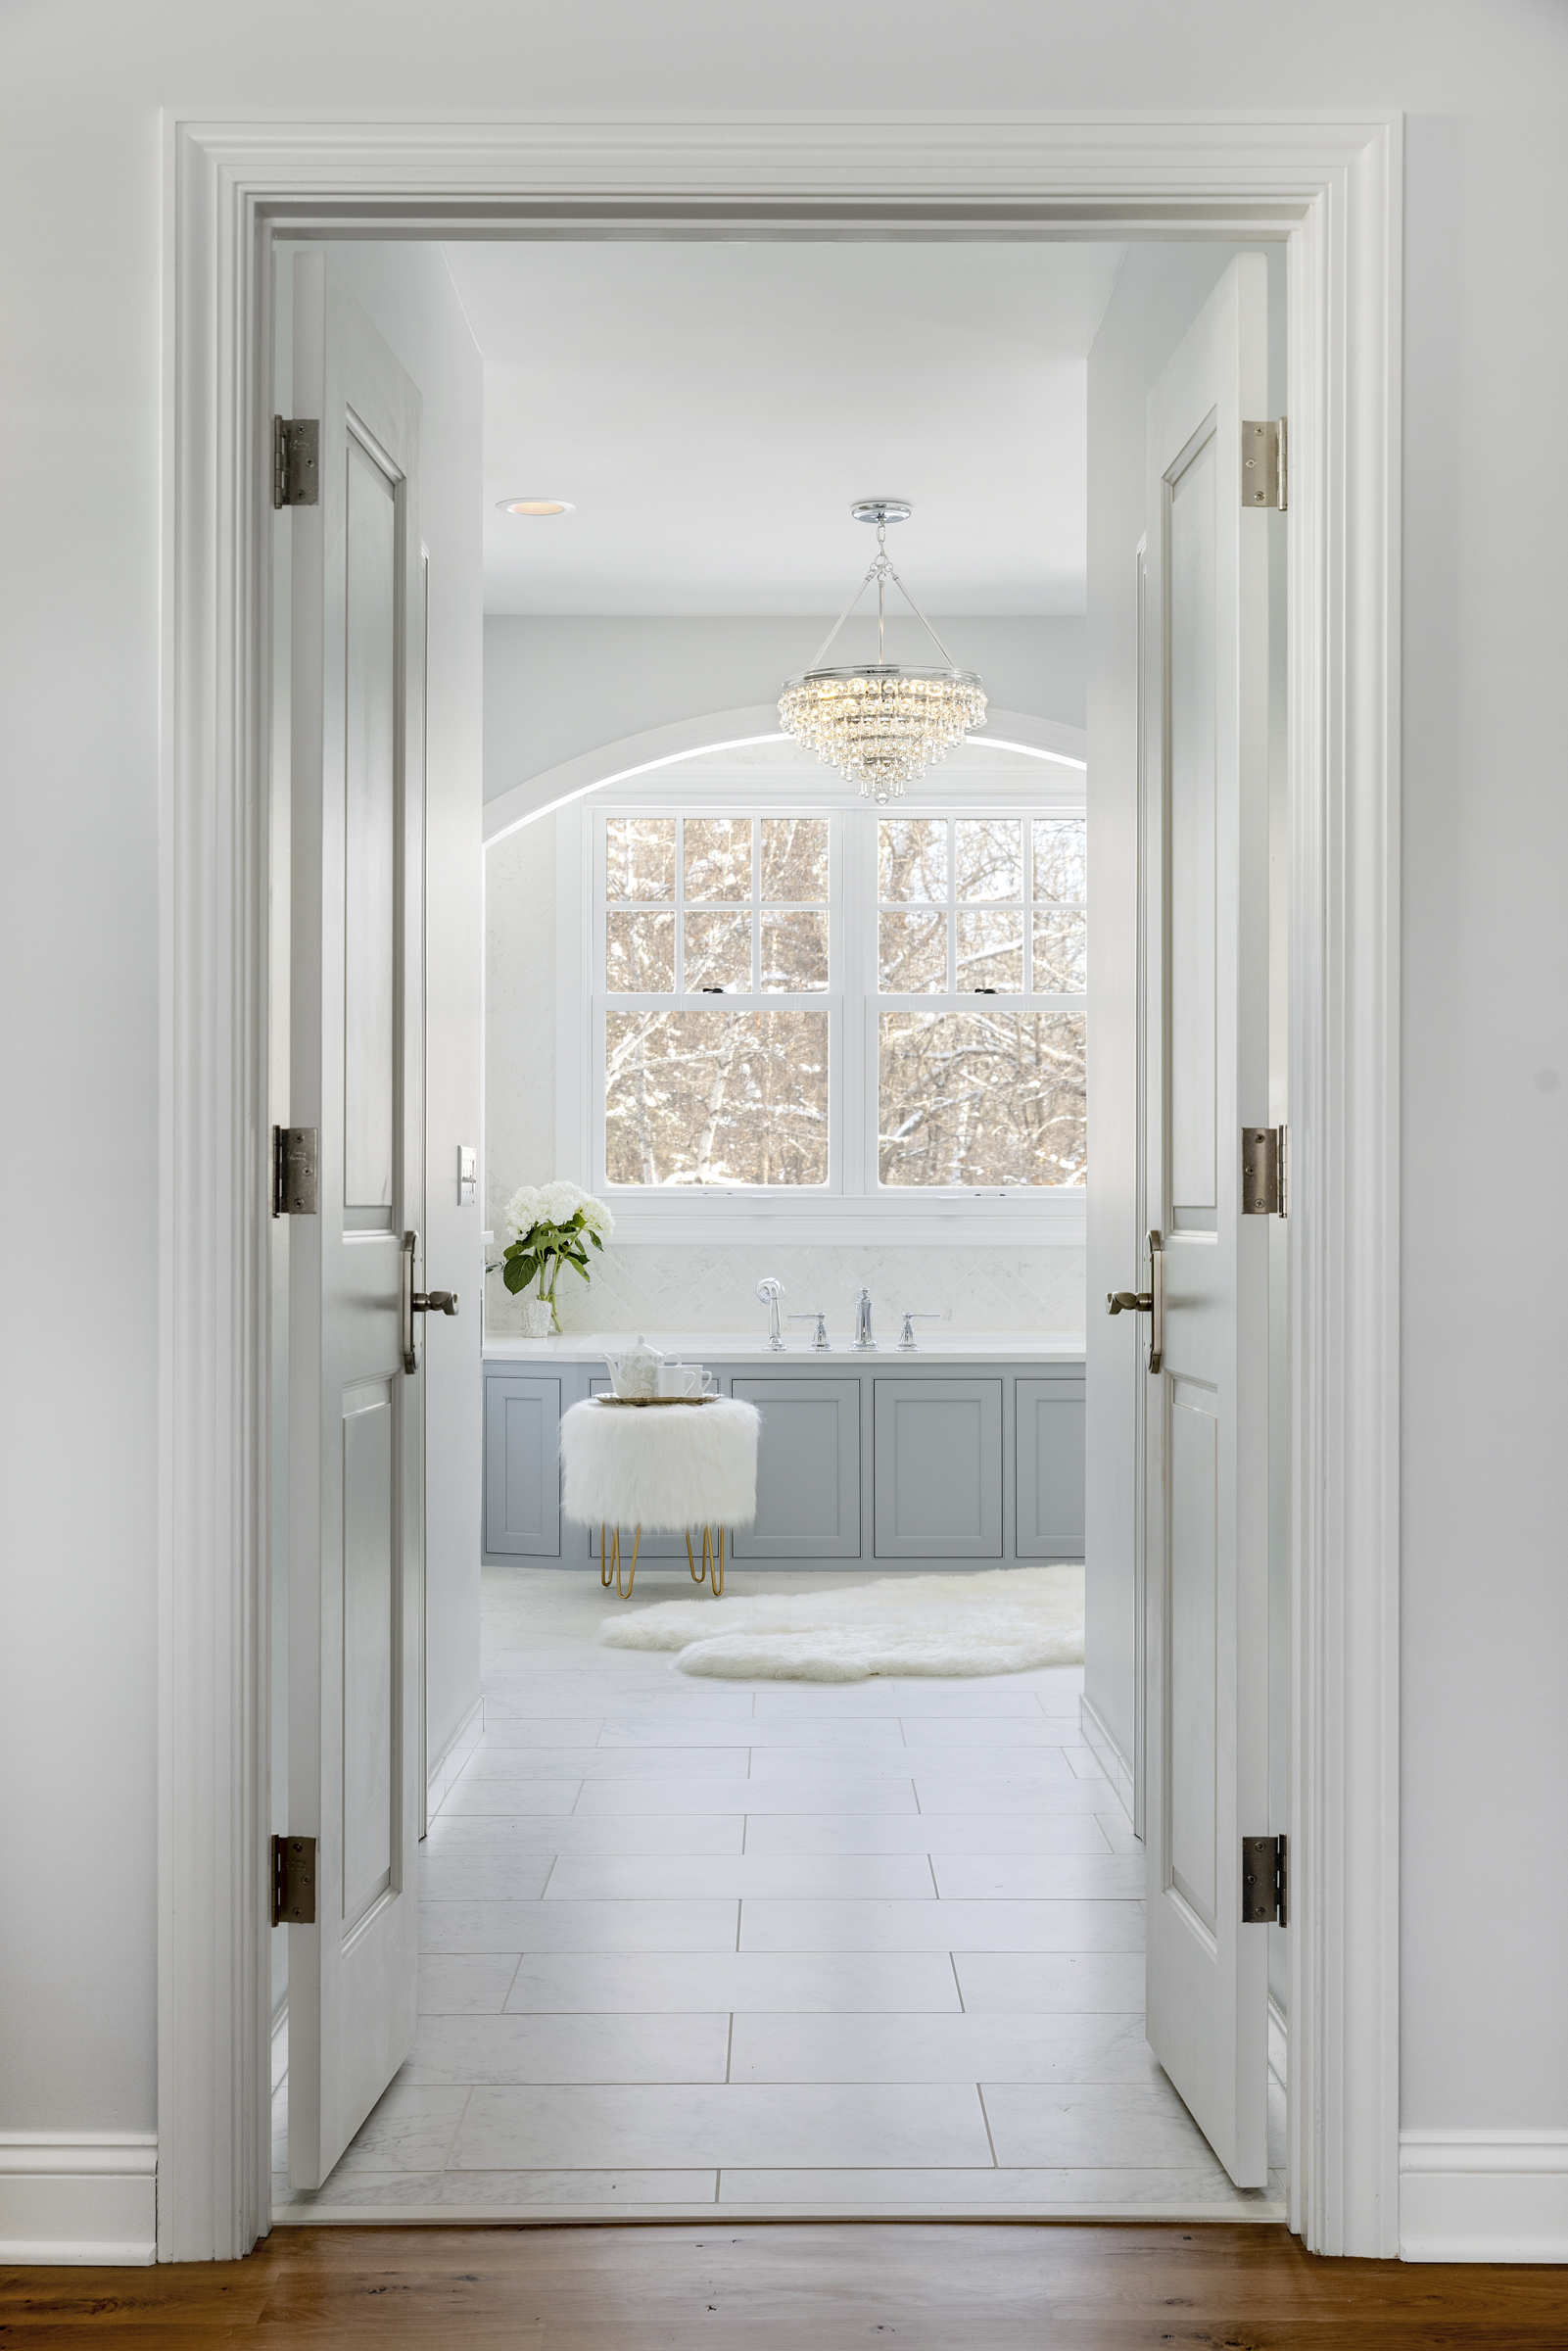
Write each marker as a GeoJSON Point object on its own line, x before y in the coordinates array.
{"type": "Point", "coordinates": [650, 1287]}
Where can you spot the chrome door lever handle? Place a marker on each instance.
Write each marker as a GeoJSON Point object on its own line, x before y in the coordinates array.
{"type": "Point", "coordinates": [1129, 1302]}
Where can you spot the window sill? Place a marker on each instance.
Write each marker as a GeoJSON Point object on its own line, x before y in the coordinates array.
{"type": "Point", "coordinates": [1008, 1220]}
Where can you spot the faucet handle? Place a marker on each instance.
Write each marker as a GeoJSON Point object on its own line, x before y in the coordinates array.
{"type": "Point", "coordinates": [908, 1344]}
{"type": "Point", "coordinates": [820, 1340]}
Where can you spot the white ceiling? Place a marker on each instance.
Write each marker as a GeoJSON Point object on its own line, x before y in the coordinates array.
{"type": "Point", "coordinates": [711, 410]}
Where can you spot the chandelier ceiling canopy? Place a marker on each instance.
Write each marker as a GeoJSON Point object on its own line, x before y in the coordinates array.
{"type": "Point", "coordinates": [883, 723]}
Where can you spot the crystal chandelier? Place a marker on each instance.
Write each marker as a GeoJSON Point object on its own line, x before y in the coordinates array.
{"type": "Point", "coordinates": [882, 724]}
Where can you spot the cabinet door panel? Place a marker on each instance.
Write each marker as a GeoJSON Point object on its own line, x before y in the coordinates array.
{"type": "Point", "coordinates": [939, 1469]}
{"type": "Point", "coordinates": [1050, 1469]}
{"type": "Point", "coordinates": [808, 1469]}
{"type": "Point", "coordinates": [522, 1479]}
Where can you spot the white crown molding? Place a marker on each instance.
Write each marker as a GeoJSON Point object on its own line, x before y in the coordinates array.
{"type": "Point", "coordinates": [1332, 186]}
{"type": "Point", "coordinates": [641, 761]}
{"type": "Point", "coordinates": [1484, 2195]}
{"type": "Point", "coordinates": [78, 2196]}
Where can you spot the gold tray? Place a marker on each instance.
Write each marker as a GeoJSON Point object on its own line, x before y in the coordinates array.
{"type": "Point", "coordinates": [636, 1403]}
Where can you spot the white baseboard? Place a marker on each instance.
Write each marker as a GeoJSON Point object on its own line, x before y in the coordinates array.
{"type": "Point", "coordinates": [456, 1753]}
{"type": "Point", "coordinates": [1484, 2195]}
{"type": "Point", "coordinates": [77, 2196]}
{"type": "Point", "coordinates": [1106, 1753]}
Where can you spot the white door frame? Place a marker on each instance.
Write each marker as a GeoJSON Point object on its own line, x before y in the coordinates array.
{"type": "Point", "coordinates": [1332, 188]}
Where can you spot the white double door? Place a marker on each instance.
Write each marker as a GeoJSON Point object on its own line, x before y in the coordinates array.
{"type": "Point", "coordinates": [356, 1418]}
{"type": "Point", "coordinates": [1206, 1046]}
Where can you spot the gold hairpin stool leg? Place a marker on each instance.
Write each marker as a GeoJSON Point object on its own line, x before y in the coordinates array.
{"type": "Point", "coordinates": [711, 1570]}
{"type": "Point", "coordinates": [609, 1557]}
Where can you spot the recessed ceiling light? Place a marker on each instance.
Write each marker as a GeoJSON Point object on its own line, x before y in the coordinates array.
{"type": "Point", "coordinates": [536, 506]}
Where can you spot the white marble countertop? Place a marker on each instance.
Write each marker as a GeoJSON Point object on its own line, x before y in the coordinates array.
{"type": "Point", "coordinates": [749, 1347]}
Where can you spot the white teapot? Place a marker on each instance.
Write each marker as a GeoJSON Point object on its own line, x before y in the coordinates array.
{"type": "Point", "coordinates": [634, 1371]}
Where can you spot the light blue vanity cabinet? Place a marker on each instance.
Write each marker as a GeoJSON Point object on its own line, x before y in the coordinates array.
{"type": "Point", "coordinates": [939, 1469]}
{"type": "Point", "coordinates": [808, 1468]}
{"type": "Point", "coordinates": [928, 1459]}
{"type": "Point", "coordinates": [1049, 1452]}
{"type": "Point", "coordinates": [522, 1481]}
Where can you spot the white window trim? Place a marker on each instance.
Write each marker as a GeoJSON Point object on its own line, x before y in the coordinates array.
{"type": "Point", "coordinates": [842, 1213]}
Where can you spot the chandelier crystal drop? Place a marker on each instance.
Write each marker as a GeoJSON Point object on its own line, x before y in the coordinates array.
{"type": "Point", "coordinates": [882, 724]}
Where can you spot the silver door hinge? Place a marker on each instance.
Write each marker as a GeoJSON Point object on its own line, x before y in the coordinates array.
{"type": "Point", "coordinates": [296, 1152]}
{"type": "Point", "coordinates": [1263, 1170]}
{"type": "Point", "coordinates": [294, 1881]}
{"type": "Point", "coordinates": [1263, 464]}
{"type": "Point", "coordinates": [296, 461]}
{"type": "Point", "coordinates": [1263, 1887]}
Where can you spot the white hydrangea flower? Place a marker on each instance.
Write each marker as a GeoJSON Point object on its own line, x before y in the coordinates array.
{"type": "Point", "coordinates": [555, 1203]}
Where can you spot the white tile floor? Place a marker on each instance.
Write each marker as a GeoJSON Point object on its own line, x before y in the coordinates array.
{"type": "Point", "coordinates": [770, 1947]}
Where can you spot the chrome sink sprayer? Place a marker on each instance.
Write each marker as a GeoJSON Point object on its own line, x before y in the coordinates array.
{"type": "Point", "coordinates": [770, 1292]}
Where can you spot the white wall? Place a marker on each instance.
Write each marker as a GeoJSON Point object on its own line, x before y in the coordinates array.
{"type": "Point", "coordinates": [556, 688]}
{"type": "Point", "coordinates": [1484, 851]}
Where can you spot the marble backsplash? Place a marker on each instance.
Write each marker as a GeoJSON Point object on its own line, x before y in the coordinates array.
{"type": "Point", "coordinates": [653, 1287]}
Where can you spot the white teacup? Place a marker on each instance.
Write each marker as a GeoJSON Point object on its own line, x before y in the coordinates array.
{"type": "Point", "coordinates": [685, 1379]}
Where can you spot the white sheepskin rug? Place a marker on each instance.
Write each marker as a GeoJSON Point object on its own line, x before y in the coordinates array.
{"type": "Point", "coordinates": [999, 1620]}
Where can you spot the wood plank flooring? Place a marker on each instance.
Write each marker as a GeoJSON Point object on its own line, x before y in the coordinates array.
{"type": "Point", "coordinates": [825, 2287]}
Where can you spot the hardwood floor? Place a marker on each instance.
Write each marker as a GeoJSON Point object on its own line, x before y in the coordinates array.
{"type": "Point", "coordinates": [821, 2287]}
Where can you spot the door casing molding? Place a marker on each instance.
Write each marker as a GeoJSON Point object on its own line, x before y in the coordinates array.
{"type": "Point", "coordinates": [1331, 188]}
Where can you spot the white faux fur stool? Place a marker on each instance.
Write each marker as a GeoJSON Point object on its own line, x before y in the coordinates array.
{"type": "Point", "coordinates": [665, 1467]}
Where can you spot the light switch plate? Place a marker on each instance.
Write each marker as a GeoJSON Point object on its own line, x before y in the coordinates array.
{"type": "Point", "coordinates": [467, 1174]}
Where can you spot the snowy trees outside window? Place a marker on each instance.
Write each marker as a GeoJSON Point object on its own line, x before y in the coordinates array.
{"type": "Point", "coordinates": [920, 982]}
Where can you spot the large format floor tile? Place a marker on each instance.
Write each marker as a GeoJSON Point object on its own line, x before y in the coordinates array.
{"type": "Point", "coordinates": [605, 1926]}
{"type": "Point", "coordinates": [975, 2047]}
{"type": "Point", "coordinates": [785, 1876]}
{"type": "Point", "coordinates": [694, 1981]}
{"type": "Point", "coordinates": [1097, 2125]}
{"type": "Point", "coordinates": [871, 1947]}
{"type": "Point", "coordinates": [519, 2130]}
{"type": "Point", "coordinates": [595, 2046]}
{"type": "Point", "coordinates": [942, 1926]}
{"type": "Point", "coordinates": [1077, 1832]}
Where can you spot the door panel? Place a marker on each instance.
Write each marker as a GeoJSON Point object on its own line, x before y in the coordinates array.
{"type": "Point", "coordinates": [808, 1469]}
{"type": "Point", "coordinates": [355, 1458]}
{"type": "Point", "coordinates": [1193, 1038]}
{"type": "Point", "coordinates": [371, 655]}
{"type": "Point", "coordinates": [1205, 1020]}
{"type": "Point", "coordinates": [939, 1469]}
{"type": "Point", "coordinates": [370, 1648]}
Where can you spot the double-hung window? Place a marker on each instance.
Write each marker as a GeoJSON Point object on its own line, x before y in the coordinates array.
{"type": "Point", "coordinates": [718, 950]}
{"type": "Point", "coordinates": [981, 939]}
{"type": "Point", "coordinates": [837, 1010]}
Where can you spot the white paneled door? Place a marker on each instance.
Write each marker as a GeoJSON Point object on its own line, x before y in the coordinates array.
{"type": "Point", "coordinates": [1205, 1027]}
{"type": "Point", "coordinates": [355, 1073]}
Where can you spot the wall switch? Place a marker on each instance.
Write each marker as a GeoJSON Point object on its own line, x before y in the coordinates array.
{"type": "Point", "coordinates": [467, 1174]}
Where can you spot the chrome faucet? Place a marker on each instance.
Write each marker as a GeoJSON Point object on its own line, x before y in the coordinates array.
{"type": "Point", "coordinates": [863, 1342]}
{"type": "Point", "coordinates": [770, 1291]}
